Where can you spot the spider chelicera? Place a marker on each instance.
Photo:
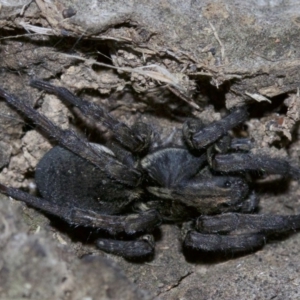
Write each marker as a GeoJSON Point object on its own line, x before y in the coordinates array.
{"type": "Point", "coordinates": [131, 185]}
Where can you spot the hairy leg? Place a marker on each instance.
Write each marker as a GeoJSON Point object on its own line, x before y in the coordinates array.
{"type": "Point", "coordinates": [140, 248]}
{"type": "Point", "coordinates": [237, 223]}
{"type": "Point", "coordinates": [245, 162]}
{"type": "Point", "coordinates": [223, 243]}
{"type": "Point", "coordinates": [237, 232]}
{"type": "Point", "coordinates": [199, 137]}
{"type": "Point", "coordinates": [130, 224]}
{"type": "Point", "coordinates": [136, 139]}
{"type": "Point", "coordinates": [71, 141]}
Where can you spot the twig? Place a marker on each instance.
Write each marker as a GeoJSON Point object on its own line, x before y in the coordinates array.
{"type": "Point", "coordinates": [183, 97]}
{"type": "Point", "coordinates": [219, 41]}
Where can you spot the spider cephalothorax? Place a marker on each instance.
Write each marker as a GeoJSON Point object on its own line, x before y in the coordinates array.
{"type": "Point", "coordinates": [131, 185]}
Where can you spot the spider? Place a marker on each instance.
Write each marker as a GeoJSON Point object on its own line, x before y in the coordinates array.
{"type": "Point", "coordinates": [130, 186]}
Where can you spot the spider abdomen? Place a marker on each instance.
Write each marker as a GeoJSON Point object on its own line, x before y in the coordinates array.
{"type": "Point", "coordinates": [64, 177]}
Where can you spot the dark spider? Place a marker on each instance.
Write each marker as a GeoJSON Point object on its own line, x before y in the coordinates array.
{"type": "Point", "coordinates": [131, 186]}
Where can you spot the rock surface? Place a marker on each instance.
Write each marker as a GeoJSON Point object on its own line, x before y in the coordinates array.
{"type": "Point", "coordinates": [204, 57]}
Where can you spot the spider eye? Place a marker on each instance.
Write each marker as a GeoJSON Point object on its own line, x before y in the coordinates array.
{"type": "Point", "coordinates": [227, 184]}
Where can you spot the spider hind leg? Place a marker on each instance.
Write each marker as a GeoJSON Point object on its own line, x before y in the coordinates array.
{"type": "Point", "coordinates": [113, 224]}
{"type": "Point", "coordinates": [142, 247]}
{"type": "Point", "coordinates": [235, 232]}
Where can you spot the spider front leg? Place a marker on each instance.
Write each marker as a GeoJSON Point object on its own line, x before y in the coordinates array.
{"type": "Point", "coordinates": [235, 232]}
{"type": "Point", "coordinates": [136, 138]}
{"type": "Point", "coordinates": [71, 141]}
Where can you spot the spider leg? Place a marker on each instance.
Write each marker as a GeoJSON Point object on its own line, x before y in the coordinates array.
{"type": "Point", "coordinates": [240, 144]}
{"type": "Point", "coordinates": [217, 194]}
{"type": "Point", "coordinates": [225, 144]}
{"type": "Point", "coordinates": [199, 137]}
{"type": "Point", "coordinates": [142, 247]}
{"type": "Point", "coordinates": [130, 224]}
{"type": "Point", "coordinates": [243, 162]}
{"type": "Point", "coordinates": [223, 243]}
{"type": "Point", "coordinates": [237, 232]}
{"type": "Point", "coordinates": [236, 223]}
{"type": "Point", "coordinates": [250, 204]}
{"type": "Point", "coordinates": [136, 139]}
{"type": "Point", "coordinates": [69, 140]}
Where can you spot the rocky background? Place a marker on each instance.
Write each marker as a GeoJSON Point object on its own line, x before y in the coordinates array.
{"type": "Point", "coordinates": [158, 62]}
